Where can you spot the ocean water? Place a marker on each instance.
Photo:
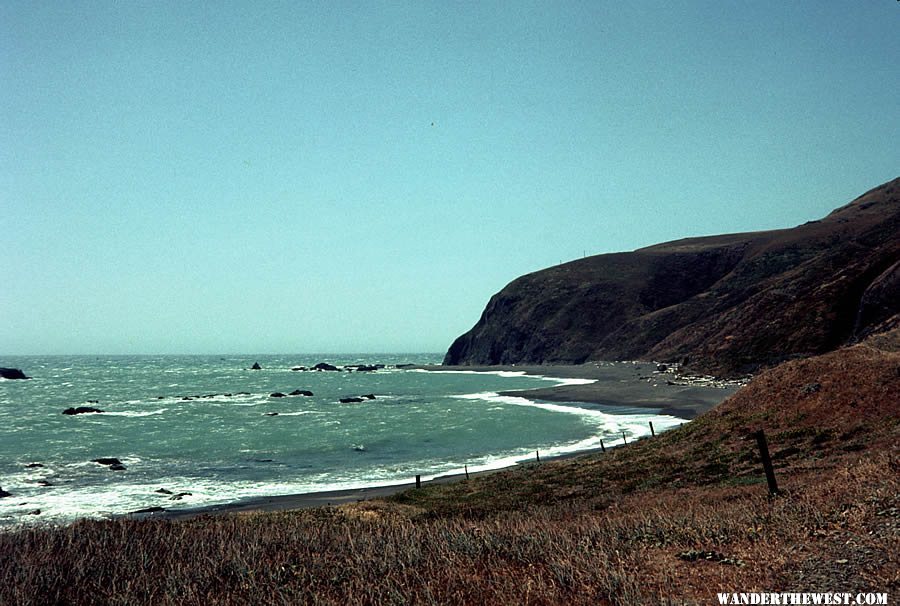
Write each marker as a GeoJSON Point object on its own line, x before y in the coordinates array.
{"type": "Point", "coordinates": [220, 445]}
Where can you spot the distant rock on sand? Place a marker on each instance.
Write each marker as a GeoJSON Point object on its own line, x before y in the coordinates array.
{"type": "Point", "coordinates": [12, 373]}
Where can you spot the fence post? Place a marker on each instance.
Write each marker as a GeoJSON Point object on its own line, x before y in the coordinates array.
{"type": "Point", "coordinates": [652, 433]}
{"type": "Point", "coordinates": [418, 481]}
{"type": "Point", "coordinates": [766, 461]}
{"type": "Point", "coordinates": [602, 447]}
{"type": "Point", "coordinates": [624, 441]}
{"type": "Point", "coordinates": [467, 471]}
{"type": "Point", "coordinates": [538, 453]}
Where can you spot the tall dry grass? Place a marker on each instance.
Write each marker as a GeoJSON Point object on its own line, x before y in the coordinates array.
{"type": "Point", "coordinates": [675, 546]}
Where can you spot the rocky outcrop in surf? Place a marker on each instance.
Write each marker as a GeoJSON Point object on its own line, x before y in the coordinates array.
{"type": "Point", "coordinates": [721, 304]}
{"type": "Point", "coordinates": [81, 410]}
{"type": "Point", "coordinates": [12, 374]}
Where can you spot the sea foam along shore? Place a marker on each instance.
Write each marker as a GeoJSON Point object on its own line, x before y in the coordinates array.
{"type": "Point", "coordinates": [598, 386]}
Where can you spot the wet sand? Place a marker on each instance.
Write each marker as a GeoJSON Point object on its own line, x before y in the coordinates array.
{"type": "Point", "coordinates": [622, 386]}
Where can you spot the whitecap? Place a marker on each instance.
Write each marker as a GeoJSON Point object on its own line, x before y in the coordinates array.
{"type": "Point", "coordinates": [133, 413]}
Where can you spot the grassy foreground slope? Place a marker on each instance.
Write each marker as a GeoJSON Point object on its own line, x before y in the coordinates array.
{"type": "Point", "coordinates": [671, 519]}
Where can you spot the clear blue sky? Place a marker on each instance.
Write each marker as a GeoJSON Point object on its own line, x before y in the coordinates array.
{"type": "Point", "coordinates": [193, 177]}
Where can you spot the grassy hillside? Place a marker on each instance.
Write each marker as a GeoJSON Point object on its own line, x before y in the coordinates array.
{"type": "Point", "coordinates": [670, 519]}
{"type": "Point", "coordinates": [721, 304]}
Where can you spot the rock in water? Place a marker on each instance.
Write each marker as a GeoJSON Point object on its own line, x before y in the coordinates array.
{"type": "Point", "coordinates": [80, 410]}
{"type": "Point", "coordinates": [12, 373]}
{"type": "Point", "coordinates": [300, 392]}
{"type": "Point", "coordinates": [350, 400]}
{"type": "Point", "coordinates": [324, 366]}
{"type": "Point", "coordinates": [107, 461]}
{"type": "Point", "coordinates": [256, 366]}
{"type": "Point", "coordinates": [4, 494]}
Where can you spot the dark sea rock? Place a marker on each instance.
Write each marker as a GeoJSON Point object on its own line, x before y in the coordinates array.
{"type": "Point", "coordinates": [163, 491]}
{"type": "Point", "coordinates": [299, 368]}
{"type": "Point", "coordinates": [256, 366]}
{"type": "Point", "coordinates": [34, 512]}
{"type": "Point", "coordinates": [324, 366]}
{"type": "Point", "coordinates": [34, 465]}
{"type": "Point", "coordinates": [107, 461]}
{"type": "Point", "coordinates": [271, 414]}
{"type": "Point", "coordinates": [4, 494]}
{"type": "Point", "coordinates": [277, 394]}
{"type": "Point", "coordinates": [352, 400]}
{"type": "Point", "coordinates": [12, 373]}
{"type": "Point", "coordinates": [119, 467]}
{"type": "Point", "coordinates": [728, 305]}
{"type": "Point", "coordinates": [179, 496]}
{"type": "Point", "coordinates": [300, 392]}
{"type": "Point", "coordinates": [366, 368]}
{"type": "Point", "coordinates": [369, 396]}
{"type": "Point", "coordinates": [80, 410]}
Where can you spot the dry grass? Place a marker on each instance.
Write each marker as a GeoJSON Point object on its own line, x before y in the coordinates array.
{"type": "Point", "coordinates": [669, 520]}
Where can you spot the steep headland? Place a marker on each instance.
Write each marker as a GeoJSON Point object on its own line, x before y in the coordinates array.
{"type": "Point", "coordinates": [727, 304]}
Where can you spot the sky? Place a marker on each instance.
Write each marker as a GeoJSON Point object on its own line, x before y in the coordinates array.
{"type": "Point", "coordinates": [305, 177]}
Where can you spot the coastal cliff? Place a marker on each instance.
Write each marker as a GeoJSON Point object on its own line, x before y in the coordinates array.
{"type": "Point", "coordinates": [727, 304]}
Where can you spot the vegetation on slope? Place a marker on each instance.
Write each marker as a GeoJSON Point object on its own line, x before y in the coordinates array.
{"type": "Point", "coordinates": [670, 519]}
{"type": "Point", "coordinates": [721, 304]}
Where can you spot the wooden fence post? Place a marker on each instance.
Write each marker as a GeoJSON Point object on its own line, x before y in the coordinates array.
{"type": "Point", "coordinates": [418, 481]}
{"type": "Point", "coordinates": [602, 447]}
{"type": "Point", "coordinates": [652, 433]}
{"type": "Point", "coordinates": [538, 453]}
{"type": "Point", "coordinates": [766, 461]}
{"type": "Point", "coordinates": [467, 471]}
{"type": "Point", "coordinates": [624, 441]}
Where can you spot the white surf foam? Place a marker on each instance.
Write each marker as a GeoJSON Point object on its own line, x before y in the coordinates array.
{"type": "Point", "coordinates": [134, 413]}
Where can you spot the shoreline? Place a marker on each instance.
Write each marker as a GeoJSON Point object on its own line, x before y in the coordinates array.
{"type": "Point", "coordinates": [623, 386]}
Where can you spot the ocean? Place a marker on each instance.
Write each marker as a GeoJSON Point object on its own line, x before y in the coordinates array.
{"type": "Point", "coordinates": [203, 425]}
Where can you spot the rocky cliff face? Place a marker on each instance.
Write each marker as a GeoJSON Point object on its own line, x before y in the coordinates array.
{"type": "Point", "coordinates": [724, 304]}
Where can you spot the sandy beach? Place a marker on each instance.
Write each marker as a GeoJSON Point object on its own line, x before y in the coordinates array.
{"type": "Point", "coordinates": [622, 387]}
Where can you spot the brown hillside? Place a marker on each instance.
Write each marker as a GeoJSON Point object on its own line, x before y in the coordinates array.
{"type": "Point", "coordinates": [724, 304]}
